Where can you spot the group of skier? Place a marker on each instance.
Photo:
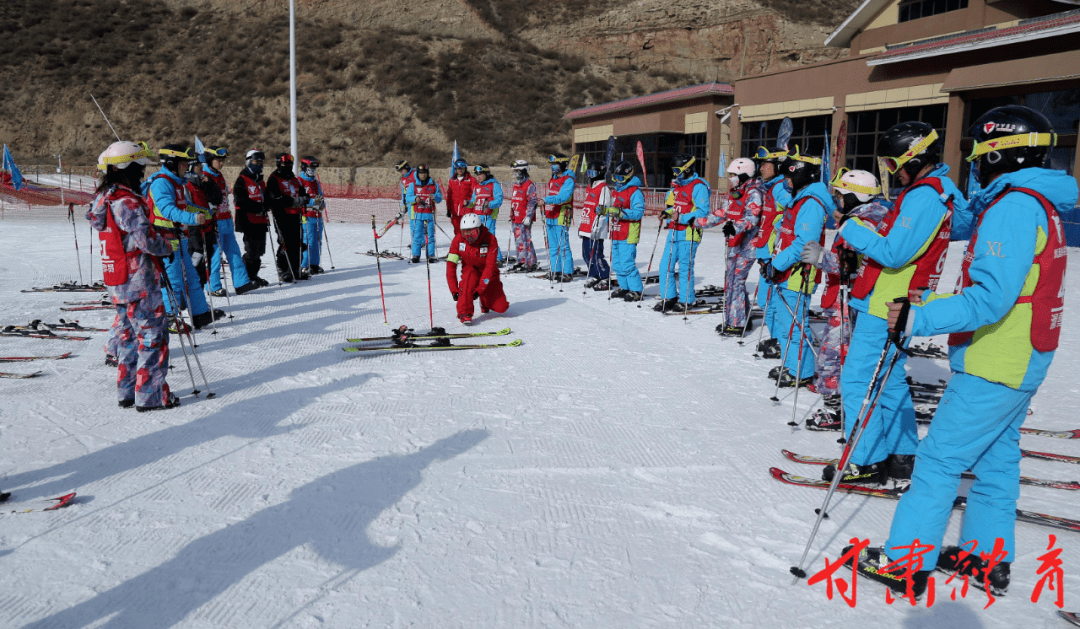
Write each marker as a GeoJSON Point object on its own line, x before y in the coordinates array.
{"type": "Point", "coordinates": [164, 240]}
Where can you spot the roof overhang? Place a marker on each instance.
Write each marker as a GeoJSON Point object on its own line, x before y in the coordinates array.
{"type": "Point", "coordinates": [1062, 66]}
{"type": "Point", "coordinates": [842, 36]}
{"type": "Point", "coordinates": [669, 96]}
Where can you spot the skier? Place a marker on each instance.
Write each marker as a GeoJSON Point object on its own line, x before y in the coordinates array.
{"type": "Point", "coordinates": [624, 226]}
{"type": "Point", "coordinates": [747, 195]}
{"type": "Point", "coordinates": [803, 221]}
{"type": "Point", "coordinates": [226, 238]}
{"type": "Point", "coordinates": [486, 200]}
{"type": "Point", "coordinates": [311, 218]}
{"type": "Point", "coordinates": [249, 194]}
{"type": "Point", "coordinates": [558, 215]}
{"type": "Point", "coordinates": [407, 177]}
{"type": "Point", "coordinates": [164, 190]}
{"type": "Point", "coordinates": [474, 249]}
{"type": "Point", "coordinates": [691, 202]}
{"type": "Point", "coordinates": [132, 271]}
{"type": "Point", "coordinates": [202, 196]}
{"type": "Point", "coordinates": [777, 197]}
{"type": "Point", "coordinates": [593, 228]}
{"type": "Point", "coordinates": [285, 197]}
{"type": "Point", "coordinates": [523, 202]}
{"type": "Point", "coordinates": [421, 195]}
{"type": "Point", "coordinates": [905, 253]}
{"type": "Point", "coordinates": [458, 193]}
{"type": "Point", "coordinates": [855, 192]}
{"type": "Point", "coordinates": [1004, 320]}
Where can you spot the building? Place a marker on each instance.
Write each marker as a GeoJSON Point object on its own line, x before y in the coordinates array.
{"type": "Point", "coordinates": [691, 120]}
{"type": "Point", "coordinates": [945, 62]}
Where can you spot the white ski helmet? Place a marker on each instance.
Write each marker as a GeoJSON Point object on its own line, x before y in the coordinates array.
{"type": "Point", "coordinates": [123, 154]}
{"type": "Point", "coordinates": [470, 221]}
{"type": "Point", "coordinates": [520, 164]}
{"type": "Point", "coordinates": [742, 166]}
{"type": "Point", "coordinates": [858, 182]}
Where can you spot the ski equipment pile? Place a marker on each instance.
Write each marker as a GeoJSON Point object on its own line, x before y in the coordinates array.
{"type": "Point", "coordinates": [11, 330]}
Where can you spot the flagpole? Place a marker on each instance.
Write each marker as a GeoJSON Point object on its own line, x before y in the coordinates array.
{"type": "Point", "coordinates": [292, 84]}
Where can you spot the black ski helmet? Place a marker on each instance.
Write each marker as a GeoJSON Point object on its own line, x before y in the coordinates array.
{"type": "Point", "coordinates": [402, 166]}
{"type": "Point", "coordinates": [1010, 138]}
{"type": "Point", "coordinates": [422, 168]}
{"type": "Point", "coordinates": [284, 160]}
{"type": "Point", "coordinates": [683, 166]}
{"type": "Point", "coordinates": [909, 145]}
{"type": "Point", "coordinates": [802, 170]}
{"type": "Point", "coordinates": [622, 173]}
{"type": "Point", "coordinates": [596, 170]}
{"type": "Point", "coordinates": [174, 158]}
{"type": "Point", "coordinates": [309, 161]}
{"type": "Point", "coordinates": [211, 153]}
{"type": "Point", "coordinates": [558, 162]}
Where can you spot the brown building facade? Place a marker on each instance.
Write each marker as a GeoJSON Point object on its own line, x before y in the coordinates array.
{"type": "Point", "coordinates": [944, 62]}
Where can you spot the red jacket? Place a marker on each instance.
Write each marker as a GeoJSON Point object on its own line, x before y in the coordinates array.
{"type": "Point", "coordinates": [477, 258]}
{"type": "Point", "coordinates": [458, 193]}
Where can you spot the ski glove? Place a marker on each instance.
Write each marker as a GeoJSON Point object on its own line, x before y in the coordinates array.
{"type": "Point", "coordinates": [449, 214]}
{"type": "Point", "coordinates": [729, 229]}
{"type": "Point", "coordinates": [813, 253]}
{"type": "Point", "coordinates": [527, 222]}
{"type": "Point", "coordinates": [456, 295]}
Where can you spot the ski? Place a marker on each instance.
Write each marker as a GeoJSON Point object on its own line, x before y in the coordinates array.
{"type": "Point", "coordinates": [63, 326]}
{"type": "Point", "coordinates": [386, 255]}
{"type": "Point", "coordinates": [22, 359]}
{"type": "Point", "coordinates": [83, 308]}
{"type": "Point", "coordinates": [7, 374]}
{"type": "Point", "coordinates": [61, 501]}
{"type": "Point", "coordinates": [881, 492]}
{"type": "Point", "coordinates": [89, 302]}
{"type": "Point", "coordinates": [716, 309]}
{"type": "Point", "coordinates": [1050, 456]}
{"type": "Point", "coordinates": [67, 287]}
{"type": "Point", "coordinates": [1055, 434]}
{"type": "Point", "coordinates": [1071, 617]}
{"type": "Point", "coordinates": [543, 276]}
{"type": "Point", "coordinates": [38, 334]}
{"type": "Point", "coordinates": [1024, 480]}
{"type": "Point", "coordinates": [406, 333]}
{"type": "Point", "coordinates": [432, 347]}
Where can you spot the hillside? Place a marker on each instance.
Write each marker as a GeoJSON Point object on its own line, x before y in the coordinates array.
{"type": "Point", "coordinates": [376, 80]}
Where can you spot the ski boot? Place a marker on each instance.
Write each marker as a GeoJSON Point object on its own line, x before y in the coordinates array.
{"type": "Point", "coordinates": [218, 293]}
{"type": "Point", "coordinates": [241, 290]}
{"type": "Point", "coordinates": [828, 418]}
{"type": "Point", "coordinates": [202, 320]}
{"type": "Point", "coordinates": [305, 273]}
{"type": "Point", "coordinates": [432, 259]}
{"type": "Point", "coordinates": [632, 296]}
{"type": "Point", "coordinates": [316, 269]}
{"type": "Point", "coordinates": [619, 293]}
{"type": "Point", "coordinates": [898, 468]}
{"type": "Point", "coordinates": [602, 285]}
{"type": "Point", "coordinates": [592, 281]}
{"type": "Point", "coordinates": [414, 260]}
{"type": "Point", "coordinates": [666, 305]}
{"type": "Point", "coordinates": [111, 361]}
{"type": "Point", "coordinates": [564, 277]}
{"type": "Point", "coordinates": [873, 474]}
{"type": "Point", "coordinates": [465, 320]}
{"type": "Point", "coordinates": [788, 381]}
{"type": "Point", "coordinates": [733, 330]}
{"type": "Point", "coordinates": [171, 402]}
{"type": "Point", "coordinates": [769, 348]}
{"type": "Point", "coordinates": [956, 560]}
{"type": "Point", "coordinates": [871, 563]}
{"type": "Point", "coordinates": [128, 403]}
{"type": "Point", "coordinates": [774, 373]}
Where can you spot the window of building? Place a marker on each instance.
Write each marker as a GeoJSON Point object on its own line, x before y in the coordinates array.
{"type": "Point", "coordinates": [695, 144]}
{"type": "Point", "coordinates": [865, 128]}
{"type": "Point", "coordinates": [592, 150]}
{"type": "Point", "coordinates": [808, 133]}
{"type": "Point", "coordinates": [915, 9]}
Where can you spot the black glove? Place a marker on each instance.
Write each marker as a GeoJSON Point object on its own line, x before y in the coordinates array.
{"type": "Point", "coordinates": [456, 295]}
{"type": "Point", "coordinates": [303, 247]}
{"type": "Point", "coordinates": [901, 320]}
{"type": "Point", "coordinates": [449, 214]}
{"type": "Point", "coordinates": [475, 295]}
{"type": "Point", "coordinates": [729, 229]}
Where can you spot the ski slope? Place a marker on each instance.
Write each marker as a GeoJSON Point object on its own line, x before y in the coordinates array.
{"type": "Point", "coordinates": [610, 472]}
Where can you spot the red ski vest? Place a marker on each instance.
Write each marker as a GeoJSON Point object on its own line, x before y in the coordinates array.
{"type": "Point", "coordinates": [1048, 299]}
{"type": "Point", "coordinates": [519, 201]}
{"type": "Point", "coordinates": [588, 209]}
{"type": "Point", "coordinates": [198, 203]}
{"type": "Point", "coordinates": [405, 181]}
{"type": "Point", "coordinates": [787, 236]}
{"type": "Point", "coordinates": [927, 266]}
{"type": "Point", "coordinates": [458, 193]}
{"type": "Point", "coordinates": [425, 197]}
{"type": "Point", "coordinates": [255, 192]}
{"type": "Point", "coordinates": [289, 187]}
{"type": "Point", "coordinates": [222, 213]}
{"type": "Point", "coordinates": [312, 189]}
{"type": "Point", "coordinates": [114, 258]}
{"type": "Point", "coordinates": [619, 228]}
{"type": "Point", "coordinates": [768, 218]}
{"type": "Point", "coordinates": [737, 208]}
{"type": "Point", "coordinates": [563, 211]}
{"type": "Point", "coordinates": [684, 203]}
{"type": "Point", "coordinates": [485, 192]}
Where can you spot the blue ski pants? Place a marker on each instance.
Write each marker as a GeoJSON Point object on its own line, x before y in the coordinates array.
{"type": "Point", "coordinates": [562, 258]}
{"type": "Point", "coordinates": [764, 300]}
{"type": "Point", "coordinates": [624, 263]}
{"type": "Point", "coordinates": [782, 319]}
{"type": "Point", "coordinates": [892, 428]}
{"type": "Point", "coordinates": [678, 254]}
{"type": "Point", "coordinates": [227, 246]}
{"type": "Point", "coordinates": [313, 228]}
{"type": "Point", "coordinates": [423, 225]}
{"type": "Point", "coordinates": [176, 275]}
{"type": "Point", "coordinates": [592, 251]}
{"type": "Point", "coordinates": [977, 428]}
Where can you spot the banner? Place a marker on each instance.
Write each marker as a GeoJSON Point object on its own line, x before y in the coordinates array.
{"type": "Point", "coordinates": [641, 160]}
{"type": "Point", "coordinates": [13, 170]}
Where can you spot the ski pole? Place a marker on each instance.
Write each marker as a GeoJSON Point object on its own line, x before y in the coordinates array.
{"type": "Point", "coordinates": [191, 336]}
{"type": "Point", "coordinates": [284, 251]}
{"type": "Point", "coordinates": [326, 236]}
{"type": "Point", "coordinates": [273, 250]}
{"type": "Point", "coordinates": [667, 275]}
{"type": "Point", "coordinates": [551, 259]}
{"type": "Point", "coordinates": [648, 269]}
{"type": "Point", "coordinates": [224, 285]}
{"type": "Point", "coordinates": [787, 346]}
{"type": "Point", "coordinates": [178, 321]}
{"type": "Point", "coordinates": [765, 315]}
{"type": "Point", "coordinates": [843, 354]}
{"type": "Point", "coordinates": [91, 254]}
{"type": "Point", "coordinates": [431, 310]}
{"type": "Point", "coordinates": [187, 294]}
{"type": "Point", "coordinates": [378, 265]}
{"type": "Point", "coordinates": [802, 341]}
{"type": "Point", "coordinates": [209, 291]}
{"type": "Point", "coordinates": [74, 232]}
{"type": "Point", "coordinates": [802, 332]}
{"type": "Point", "coordinates": [822, 513]}
{"type": "Point", "coordinates": [689, 277]}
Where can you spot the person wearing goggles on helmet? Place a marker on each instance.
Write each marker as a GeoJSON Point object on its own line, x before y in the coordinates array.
{"type": "Point", "coordinates": [558, 215]}
{"type": "Point", "coordinates": [593, 228]}
{"type": "Point", "coordinates": [1004, 321]}
{"type": "Point", "coordinates": [203, 196]}
{"type": "Point", "coordinates": [130, 246]}
{"type": "Point", "coordinates": [624, 212]}
{"type": "Point", "coordinates": [312, 217]}
{"type": "Point", "coordinates": [690, 202]}
{"type": "Point", "coordinates": [226, 236]}
{"type": "Point", "coordinates": [408, 176]}
{"type": "Point", "coordinates": [458, 192]}
{"type": "Point", "coordinates": [903, 255]}
{"type": "Point", "coordinates": [857, 196]}
{"type": "Point", "coordinates": [777, 197]}
{"type": "Point", "coordinates": [485, 202]}
{"type": "Point", "coordinates": [165, 192]}
{"type": "Point", "coordinates": [422, 195]}
{"type": "Point", "coordinates": [474, 249]}
{"type": "Point", "coordinates": [285, 198]}
{"type": "Point", "coordinates": [249, 194]}
{"type": "Point", "coordinates": [523, 202]}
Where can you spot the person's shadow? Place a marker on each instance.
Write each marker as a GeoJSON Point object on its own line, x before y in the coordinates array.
{"type": "Point", "coordinates": [331, 514]}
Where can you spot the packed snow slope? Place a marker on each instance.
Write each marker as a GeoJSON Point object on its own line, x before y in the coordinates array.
{"type": "Point", "coordinates": [610, 472]}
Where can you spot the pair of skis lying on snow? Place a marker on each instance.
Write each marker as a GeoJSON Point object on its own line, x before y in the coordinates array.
{"type": "Point", "coordinates": [58, 503]}
{"type": "Point", "coordinates": [405, 340]}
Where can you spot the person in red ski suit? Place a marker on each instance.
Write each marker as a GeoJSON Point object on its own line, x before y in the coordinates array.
{"type": "Point", "coordinates": [477, 252]}
{"type": "Point", "coordinates": [458, 192]}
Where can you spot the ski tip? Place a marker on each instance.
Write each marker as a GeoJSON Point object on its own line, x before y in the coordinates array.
{"type": "Point", "coordinates": [516, 343]}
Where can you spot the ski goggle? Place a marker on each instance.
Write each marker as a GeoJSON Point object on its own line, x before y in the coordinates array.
{"type": "Point", "coordinates": [185, 154]}
{"type": "Point", "coordinates": [816, 161]}
{"type": "Point", "coordinates": [837, 182]}
{"type": "Point", "coordinates": [257, 157]}
{"type": "Point", "coordinates": [679, 171]}
{"type": "Point", "coordinates": [764, 154]}
{"type": "Point", "coordinates": [143, 152]}
{"type": "Point", "coordinates": [558, 161]}
{"type": "Point", "coordinates": [460, 164]}
{"type": "Point", "coordinates": [893, 164]}
{"type": "Point", "coordinates": [480, 170]}
{"type": "Point", "coordinates": [1011, 142]}
{"type": "Point", "coordinates": [220, 152]}
{"type": "Point", "coordinates": [621, 179]}
{"type": "Point", "coordinates": [592, 174]}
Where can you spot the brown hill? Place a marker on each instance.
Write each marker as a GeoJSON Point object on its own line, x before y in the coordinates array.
{"type": "Point", "coordinates": [376, 79]}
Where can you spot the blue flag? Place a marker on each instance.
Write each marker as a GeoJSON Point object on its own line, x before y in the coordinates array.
{"type": "Point", "coordinates": [610, 152]}
{"type": "Point", "coordinates": [973, 187]}
{"type": "Point", "coordinates": [199, 150]}
{"type": "Point", "coordinates": [721, 168]}
{"type": "Point", "coordinates": [453, 160]}
{"type": "Point", "coordinates": [825, 178]}
{"type": "Point", "coordinates": [9, 165]}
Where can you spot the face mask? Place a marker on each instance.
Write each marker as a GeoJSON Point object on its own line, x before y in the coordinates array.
{"type": "Point", "coordinates": [733, 180]}
{"type": "Point", "coordinates": [555, 170]}
{"type": "Point", "coordinates": [310, 172]}
{"type": "Point", "coordinates": [471, 235]}
{"type": "Point", "coordinates": [255, 168]}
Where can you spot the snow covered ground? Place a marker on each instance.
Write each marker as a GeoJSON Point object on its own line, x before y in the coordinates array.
{"type": "Point", "coordinates": [610, 472]}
